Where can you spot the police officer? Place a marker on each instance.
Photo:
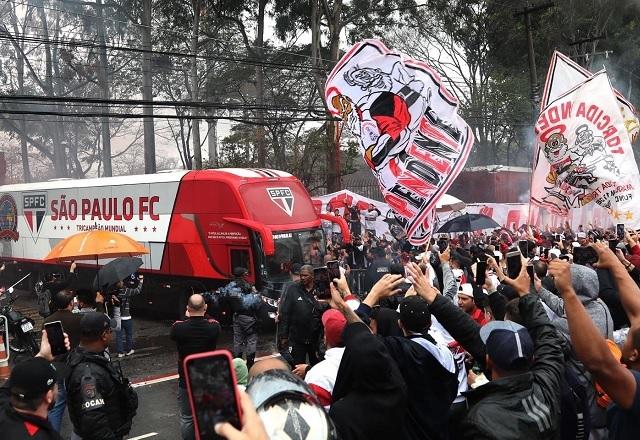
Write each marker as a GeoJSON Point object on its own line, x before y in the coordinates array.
{"type": "Point", "coordinates": [101, 402]}
{"type": "Point", "coordinates": [245, 303]}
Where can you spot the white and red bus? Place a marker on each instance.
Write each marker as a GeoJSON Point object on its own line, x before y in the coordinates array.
{"type": "Point", "coordinates": [198, 225]}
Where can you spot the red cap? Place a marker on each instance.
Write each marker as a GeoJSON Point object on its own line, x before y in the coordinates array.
{"type": "Point", "coordinates": [334, 323]}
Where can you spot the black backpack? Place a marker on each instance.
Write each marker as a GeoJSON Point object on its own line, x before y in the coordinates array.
{"type": "Point", "coordinates": [44, 299]}
{"type": "Point", "coordinates": [575, 416]}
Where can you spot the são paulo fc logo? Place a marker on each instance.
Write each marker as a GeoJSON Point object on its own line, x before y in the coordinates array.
{"type": "Point", "coordinates": [34, 208]}
{"type": "Point", "coordinates": [283, 197]}
{"type": "Point", "coordinates": [8, 218]}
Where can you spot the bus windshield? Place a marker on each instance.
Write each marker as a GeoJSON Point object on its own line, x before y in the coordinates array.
{"type": "Point", "coordinates": [302, 247]}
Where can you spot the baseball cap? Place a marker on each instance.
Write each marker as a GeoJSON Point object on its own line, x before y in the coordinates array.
{"type": "Point", "coordinates": [554, 252]}
{"type": "Point", "coordinates": [415, 314]}
{"type": "Point", "coordinates": [32, 378]}
{"type": "Point", "coordinates": [295, 268]}
{"type": "Point", "coordinates": [466, 289]}
{"type": "Point", "coordinates": [94, 323]}
{"type": "Point", "coordinates": [581, 235]}
{"type": "Point", "coordinates": [334, 323]}
{"type": "Point", "coordinates": [509, 344]}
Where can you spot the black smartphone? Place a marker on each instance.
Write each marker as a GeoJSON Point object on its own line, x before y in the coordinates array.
{"type": "Point", "coordinates": [531, 272]}
{"type": "Point", "coordinates": [443, 244]}
{"type": "Point", "coordinates": [523, 245]}
{"type": "Point", "coordinates": [620, 231]}
{"type": "Point", "coordinates": [613, 244]}
{"type": "Point", "coordinates": [334, 269]}
{"type": "Point", "coordinates": [584, 255]}
{"type": "Point", "coordinates": [322, 282]}
{"type": "Point", "coordinates": [514, 264]}
{"type": "Point", "coordinates": [212, 390]}
{"type": "Point", "coordinates": [55, 336]}
{"type": "Point", "coordinates": [481, 272]}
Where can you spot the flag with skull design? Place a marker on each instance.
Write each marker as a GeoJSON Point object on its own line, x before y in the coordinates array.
{"type": "Point", "coordinates": [584, 154]}
{"type": "Point", "coordinates": [407, 126]}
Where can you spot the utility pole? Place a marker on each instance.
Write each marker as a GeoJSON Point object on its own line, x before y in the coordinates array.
{"type": "Point", "coordinates": [147, 91]}
{"type": "Point", "coordinates": [533, 76]}
{"type": "Point", "coordinates": [583, 54]}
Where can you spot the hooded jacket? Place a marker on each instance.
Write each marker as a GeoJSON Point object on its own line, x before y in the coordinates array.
{"type": "Point", "coordinates": [527, 405]}
{"type": "Point", "coordinates": [16, 425]}
{"type": "Point", "coordinates": [432, 383]}
{"type": "Point", "coordinates": [100, 406]}
{"type": "Point", "coordinates": [369, 396]}
{"type": "Point", "coordinates": [585, 283]}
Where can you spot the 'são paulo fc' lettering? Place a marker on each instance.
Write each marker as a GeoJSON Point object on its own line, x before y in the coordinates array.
{"type": "Point", "coordinates": [106, 208]}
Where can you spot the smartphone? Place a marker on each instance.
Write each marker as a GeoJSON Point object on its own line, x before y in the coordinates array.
{"type": "Point", "coordinates": [322, 282]}
{"type": "Point", "coordinates": [523, 245]}
{"type": "Point", "coordinates": [212, 390]}
{"type": "Point", "coordinates": [334, 269]}
{"type": "Point", "coordinates": [443, 244]}
{"type": "Point", "coordinates": [514, 264]}
{"type": "Point", "coordinates": [55, 336]}
{"type": "Point", "coordinates": [620, 231]}
{"type": "Point", "coordinates": [481, 272]}
{"type": "Point", "coordinates": [613, 244]}
{"type": "Point", "coordinates": [531, 272]}
{"type": "Point", "coordinates": [584, 255]}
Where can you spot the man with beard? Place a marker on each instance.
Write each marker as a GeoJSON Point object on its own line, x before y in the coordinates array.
{"type": "Point", "coordinates": [32, 390]}
{"type": "Point", "coordinates": [300, 325]}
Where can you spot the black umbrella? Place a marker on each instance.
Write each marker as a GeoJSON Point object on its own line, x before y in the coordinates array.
{"type": "Point", "coordinates": [468, 223]}
{"type": "Point", "coordinates": [116, 270]}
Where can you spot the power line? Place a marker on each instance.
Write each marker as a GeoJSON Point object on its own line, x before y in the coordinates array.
{"type": "Point", "coordinates": [6, 35]}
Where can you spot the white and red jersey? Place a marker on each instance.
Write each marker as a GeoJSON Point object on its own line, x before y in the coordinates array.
{"type": "Point", "coordinates": [195, 223]}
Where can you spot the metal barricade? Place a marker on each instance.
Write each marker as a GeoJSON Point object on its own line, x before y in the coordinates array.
{"type": "Point", "coordinates": [356, 281]}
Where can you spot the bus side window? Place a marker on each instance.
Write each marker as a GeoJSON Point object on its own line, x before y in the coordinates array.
{"type": "Point", "coordinates": [240, 258]}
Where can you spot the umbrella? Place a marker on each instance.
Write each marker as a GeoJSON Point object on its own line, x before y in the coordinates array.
{"type": "Point", "coordinates": [93, 245]}
{"type": "Point", "coordinates": [115, 271]}
{"type": "Point", "coordinates": [449, 203]}
{"type": "Point", "coordinates": [468, 223]}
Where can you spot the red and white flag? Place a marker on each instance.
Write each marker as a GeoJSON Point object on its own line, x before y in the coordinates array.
{"type": "Point", "coordinates": [584, 154]}
{"type": "Point", "coordinates": [407, 126]}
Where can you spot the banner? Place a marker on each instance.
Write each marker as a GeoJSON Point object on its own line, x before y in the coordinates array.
{"type": "Point", "coordinates": [407, 126]}
{"type": "Point", "coordinates": [584, 154]}
{"type": "Point", "coordinates": [564, 74]}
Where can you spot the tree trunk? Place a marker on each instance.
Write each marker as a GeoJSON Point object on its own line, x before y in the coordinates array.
{"type": "Point", "coordinates": [260, 132]}
{"type": "Point", "coordinates": [24, 150]}
{"type": "Point", "coordinates": [59, 159]}
{"type": "Point", "coordinates": [197, 152]}
{"type": "Point", "coordinates": [103, 81]}
{"type": "Point", "coordinates": [212, 141]}
{"type": "Point", "coordinates": [334, 166]}
{"type": "Point", "coordinates": [147, 92]}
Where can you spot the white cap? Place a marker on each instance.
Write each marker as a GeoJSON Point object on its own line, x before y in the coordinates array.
{"type": "Point", "coordinates": [555, 252]}
{"type": "Point", "coordinates": [581, 235]}
{"type": "Point", "coordinates": [575, 244]}
{"type": "Point", "coordinates": [466, 289]}
{"type": "Point", "coordinates": [497, 254]}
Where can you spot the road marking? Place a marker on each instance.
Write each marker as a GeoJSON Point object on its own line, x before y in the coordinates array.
{"type": "Point", "coordinates": [151, 434]}
{"type": "Point", "coordinates": [168, 377]}
{"type": "Point", "coordinates": [154, 381]}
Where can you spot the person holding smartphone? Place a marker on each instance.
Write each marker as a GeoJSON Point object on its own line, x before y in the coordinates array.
{"type": "Point", "coordinates": [70, 322]}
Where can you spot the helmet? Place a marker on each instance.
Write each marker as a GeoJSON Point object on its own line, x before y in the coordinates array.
{"type": "Point", "coordinates": [288, 408]}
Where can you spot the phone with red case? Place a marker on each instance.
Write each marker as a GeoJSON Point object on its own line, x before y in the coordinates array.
{"type": "Point", "coordinates": [213, 393]}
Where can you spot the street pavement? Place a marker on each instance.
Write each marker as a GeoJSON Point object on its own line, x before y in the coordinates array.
{"type": "Point", "coordinates": [153, 371]}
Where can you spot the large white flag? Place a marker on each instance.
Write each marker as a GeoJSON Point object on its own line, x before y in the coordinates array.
{"type": "Point", "coordinates": [408, 128]}
{"type": "Point", "coordinates": [584, 154]}
{"type": "Point", "coordinates": [564, 74]}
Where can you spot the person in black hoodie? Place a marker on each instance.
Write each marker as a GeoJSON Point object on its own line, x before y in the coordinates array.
{"type": "Point", "coordinates": [426, 366]}
{"type": "Point", "coordinates": [370, 396]}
